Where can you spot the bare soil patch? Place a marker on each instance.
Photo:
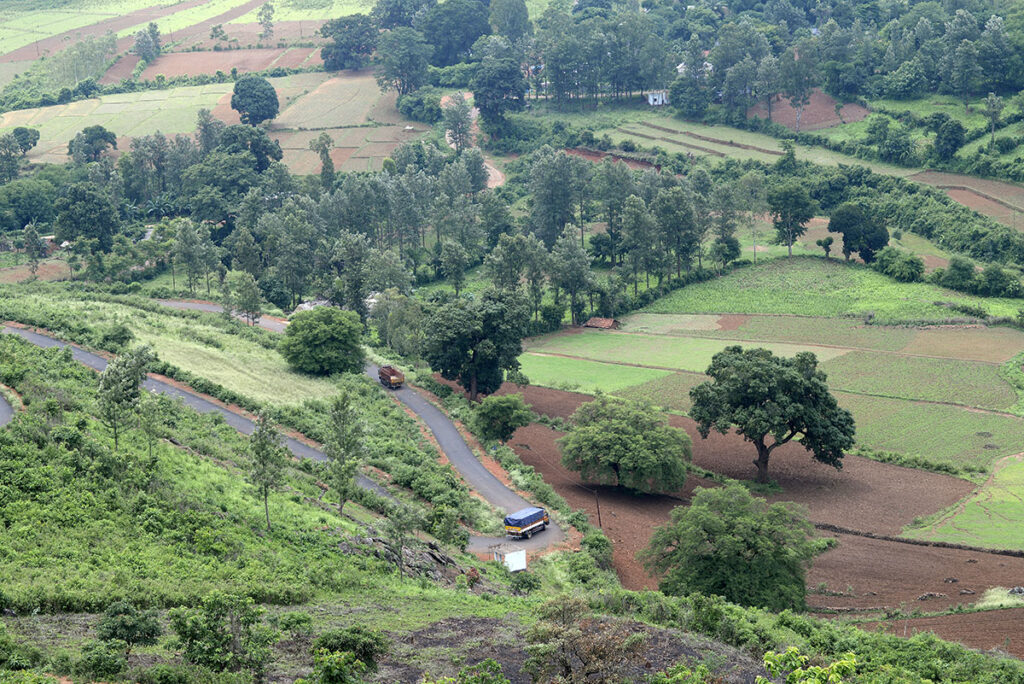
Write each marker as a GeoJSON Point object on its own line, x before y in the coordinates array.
{"type": "Point", "coordinates": [248, 34]}
{"type": "Point", "coordinates": [819, 113]}
{"type": "Point", "coordinates": [991, 629]}
{"type": "Point", "coordinates": [223, 111]}
{"type": "Point", "coordinates": [732, 321]}
{"type": "Point", "coordinates": [122, 69]}
{"type": "Point", "coordinates": [194, 63]}
{"type": "Point", "coordinates": [48, 270]}
{"type": "Point", "coordinates": [1010, 193]}
{"type": "Point", "coordinates": [875, 574]}
{"type": "Point", "coordinates": [983, 205]}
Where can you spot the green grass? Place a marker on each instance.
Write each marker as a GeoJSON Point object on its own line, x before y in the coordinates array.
{"type": "Point", "coordinates": [584, 376]}
{"type": "Point", "coordinates": [238, 364]}
{"type": "Point", "coordinates": [186, 18]}
{"type": "Point", "coordinates": [129, 114]}
{"type": "Point", "coordinates": [990, 517]}
{"type": "Point", "coordinates": [843, 332]}
{"type": "Point", "coordinates": [677, 353]}
{"type": "Point", "coordinates": [671, 393]}
{"type": "Point", "coordinates": [955, 381]}
{"type": "Point", "coordinates": [23, 26]}
{"type": "Point", "coordinates": [310, 10]}
{"type": "Point", "coordinates": [816, 287]}
{"type": "Point", "coordinates": [936, 432]}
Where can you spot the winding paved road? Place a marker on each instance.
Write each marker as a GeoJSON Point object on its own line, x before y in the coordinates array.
{"type": "Point", "coordinates": [455, 448]}
{"type": "Point", "coordinates": [6, 412]}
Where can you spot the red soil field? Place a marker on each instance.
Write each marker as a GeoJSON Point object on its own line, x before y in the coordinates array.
{"type": "Point", "coordinates": [122, 69]}
{"type": "Point", "coordinates": [194, 63]}
{"type": "Point", "coordinates": [991, 629]}
{"type": "Point", "coordinates": [249, 34]}
{"type": "Point", "coordinates": [983, 205]}
{"type": "Point", "coordinates": [819, 113]}
{"type": "Point", "coordinates": [54, 44]}
{"type": "Point", "coordinates": [869, 574]}
{"type": "Point", "coordinates": [1010, 193]}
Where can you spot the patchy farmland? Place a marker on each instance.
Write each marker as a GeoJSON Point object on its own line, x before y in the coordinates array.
{"type": "Point", "coordinates": [360, 119]}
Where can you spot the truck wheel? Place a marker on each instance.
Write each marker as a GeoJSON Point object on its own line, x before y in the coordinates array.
{"type": "Point", "coordinates": [529, 534]}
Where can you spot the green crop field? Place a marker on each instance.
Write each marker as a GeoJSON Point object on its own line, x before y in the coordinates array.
{"type": "Point", "coordinates": [990, 517]}
{"type": "Point", "coordinates": [671, 393]}
{"type": "Point", "coordinates": [128, 114]}
{"type": "Point", "coordinates": [934, 432]}
{"type": "Point", "coordinates": [583, 375]}
{"type": "Point", "coordinates": [816, 287]}
{"type": "Point", "coordinates": [843, 332]}
{"type": "Point", "coordinates": [967, 383]}
{"type": "Point", "coordinates": [676, 353]}
{"type": "Point", "coordinates": [311, 10]}
{"type": "Point", "coordinates": [185, 18]}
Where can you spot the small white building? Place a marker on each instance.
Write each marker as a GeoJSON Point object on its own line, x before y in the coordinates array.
{"type": "Point", "coordinates": [657, 98]}
{"type": "Point", "coordinates": [512, 557]}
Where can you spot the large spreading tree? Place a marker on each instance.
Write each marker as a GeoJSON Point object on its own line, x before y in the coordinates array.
{"type": "Point", "coordinates": [475, 342]}
{"type": "Point", "coordinates": [618, 442]}
{"type": "Point", "coordinates": [323, 341]}
{"type": "Point", "coordinates": [404, 57]}
{"type": "Point", "coordinates": [770, 401]}
{"type": "Point", "coordinates": [254, 99]}
{"type": "Point", "coordinates": [731, 544]}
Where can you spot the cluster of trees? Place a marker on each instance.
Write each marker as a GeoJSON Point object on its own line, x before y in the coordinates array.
{"type": "Point", "coordinates": [68, 74]}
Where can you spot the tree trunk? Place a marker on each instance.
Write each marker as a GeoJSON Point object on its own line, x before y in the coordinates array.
{"type": "Point", "coordinates": [472, 387]}
{"type": "Point", "coordinates": [266, 508]}
{"type": "Point", "coordinates": [762, 463]}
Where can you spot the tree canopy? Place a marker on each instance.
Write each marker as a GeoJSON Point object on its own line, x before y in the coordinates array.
{"type": "Point", "coordinates": [475, 342]}
{"type": "Point", "coordinates": [324, 340]}
{"type": "Point", "coordinates": [731, 544]}
{"type": "Point", "coordinates": [618, 442]}
{"type": "Point", "coordinates": [766, 397]}
{"type": "Point", "coordinates": [254, 99]}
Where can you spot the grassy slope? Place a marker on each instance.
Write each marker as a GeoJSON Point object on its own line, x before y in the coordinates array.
{"type": "Point", "coordinates": [815, 287]}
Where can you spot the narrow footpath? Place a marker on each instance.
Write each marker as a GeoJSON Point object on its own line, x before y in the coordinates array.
{"type": "Point", "coordinates": [447, 435]}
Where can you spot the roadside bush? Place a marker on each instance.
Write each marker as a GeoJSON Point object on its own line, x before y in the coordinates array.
{"type": "Point", "coordinates": [323, 341]}
{"type": "Point", "coordinates": [421, 105]}
{"type": "Point", "coordinates": [899, 265]}
{"type": "Point", "coordinates": [599, 547]}
{"type": "Point", "coordinates": [524, 582]}
{"type": "Point", "coordinates": [368, 645]}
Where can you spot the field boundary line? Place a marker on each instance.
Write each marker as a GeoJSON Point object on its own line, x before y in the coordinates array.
{"type": "Point", "coordinates": [714, 141]}
{"type": "Point", "coordinates": [693, 335]}
{"type": "Point", "coordinates": [980, 193]}
{"type": "Point", "coordinates": [967, 407]}
{"type": "Point", "coordinates": [979, 409]}
{"type": "Point", "coordinates": [829, 527]}
{"type": "Point", "coordinates": [698, 148]}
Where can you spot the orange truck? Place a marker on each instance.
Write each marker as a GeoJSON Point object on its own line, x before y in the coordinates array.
{"type": "Point", "coordinates": [390, 377]}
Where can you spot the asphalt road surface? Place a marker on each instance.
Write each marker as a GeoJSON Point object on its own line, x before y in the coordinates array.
{"type": "Point", "coordinates": [6, 412]}
{"type": "Point", "coordinates": [455, 448]}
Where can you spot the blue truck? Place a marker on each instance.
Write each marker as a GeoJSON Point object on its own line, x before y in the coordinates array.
{"type": "Point", "coordinates": [523, 523]}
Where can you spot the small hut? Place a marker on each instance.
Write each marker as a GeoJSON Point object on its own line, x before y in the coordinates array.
{"type": "Point", "coordinates": [602, 323]}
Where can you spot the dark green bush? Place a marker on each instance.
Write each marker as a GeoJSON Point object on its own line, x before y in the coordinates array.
{"type": "Point", "coordinates": [367, 644]}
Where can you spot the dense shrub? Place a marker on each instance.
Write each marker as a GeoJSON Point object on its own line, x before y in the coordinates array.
{"type": "Point", "coordinates": [422, 105]}
{"type": "Point", "coordinates": [368, 645]}
{"type": "Point", "coordinates": [899, 264]}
